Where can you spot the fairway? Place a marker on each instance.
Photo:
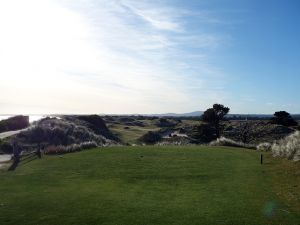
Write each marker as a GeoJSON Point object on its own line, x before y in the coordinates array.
{"type": "Point", "coordinates": [141, 186]}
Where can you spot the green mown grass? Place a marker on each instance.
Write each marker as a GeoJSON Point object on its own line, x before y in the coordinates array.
{"type": "Point", "coordinates": [285, 179]}
{"type": "Point", "coordinates": [132, 134]}
{"type": "Point", "coordinates": [144, 185]}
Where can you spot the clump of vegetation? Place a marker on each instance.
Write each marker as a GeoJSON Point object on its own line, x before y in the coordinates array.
{"type": "Point", "coordinates": [288, 147]}
{"type": "Point", "coordinates": [150, 137]}
{"type": "Point", "coordinates": [14, 123]}
{"type": "Point", "coordinates": [228, 142]}
{"type": "Point", "coordinates": [283, 118]}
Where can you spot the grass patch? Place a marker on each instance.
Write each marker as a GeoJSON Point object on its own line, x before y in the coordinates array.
{"type": "Point", "coordinates": [144, 185]}
{"type": "Point", "coordinates": [285, 178]}
{"type": "Point", "coordinates": [132, 134]}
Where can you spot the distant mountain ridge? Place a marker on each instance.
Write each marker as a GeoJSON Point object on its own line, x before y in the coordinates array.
{"type": "Point", "coordinates": [189, 114]}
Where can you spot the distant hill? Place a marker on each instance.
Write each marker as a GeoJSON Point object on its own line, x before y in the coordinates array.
{"type": "Point", "coordinates": [190, 114]}
{"type": "Point", "coordinates": [14, 123]}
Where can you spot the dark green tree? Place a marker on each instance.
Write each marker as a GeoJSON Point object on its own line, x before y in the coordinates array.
{"type": "Point", "coordinates": [283, 118]}
{"type": "Point", "coordinates": [215, 115]}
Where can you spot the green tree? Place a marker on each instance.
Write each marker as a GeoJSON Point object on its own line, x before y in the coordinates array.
{"type": "Point", "coordinates": [283, 118]}
{"type": "Point", "coordinates": [215, 115]}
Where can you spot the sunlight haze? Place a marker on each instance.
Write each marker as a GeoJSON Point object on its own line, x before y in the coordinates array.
{"type": "Point", "coordinates": [148, 56]}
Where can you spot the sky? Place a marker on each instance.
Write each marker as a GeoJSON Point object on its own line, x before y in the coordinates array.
{"type": "Point", "coordinates": [158, 56]}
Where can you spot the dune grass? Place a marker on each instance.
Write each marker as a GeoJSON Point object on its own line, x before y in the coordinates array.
{"type": "Point", "coordinates": [144, 185]}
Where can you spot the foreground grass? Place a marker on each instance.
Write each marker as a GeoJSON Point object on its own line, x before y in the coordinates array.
{"type": "Point", "coordinates": [285, 176]}
{"type": "Point", "coordinates": [144, 185]}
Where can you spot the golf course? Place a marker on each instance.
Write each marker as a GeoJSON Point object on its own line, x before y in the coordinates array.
{"type": "Point", "coordinates": [147, 185]}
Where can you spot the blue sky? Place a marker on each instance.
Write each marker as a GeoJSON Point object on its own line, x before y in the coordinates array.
{"type": "Point", "coordinates": [125, 56]}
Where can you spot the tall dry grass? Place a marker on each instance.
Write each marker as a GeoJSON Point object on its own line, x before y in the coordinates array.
{"type": "Point", "coordinates": [288, 147]}
{"type": "Point", "coordinates": [222, 141]}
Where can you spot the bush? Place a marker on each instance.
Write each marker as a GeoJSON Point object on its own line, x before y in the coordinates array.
{"type": "Point", "coordinates": [222, 141]}
{"type": "Point", "coordinates": [288, 147]}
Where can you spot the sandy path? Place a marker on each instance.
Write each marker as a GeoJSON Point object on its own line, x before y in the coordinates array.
{"type": "Point", "coordinates": [4, 159]}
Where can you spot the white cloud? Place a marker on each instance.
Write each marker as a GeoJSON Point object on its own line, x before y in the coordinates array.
{"type": "Point", "coordinates": [100, 56]}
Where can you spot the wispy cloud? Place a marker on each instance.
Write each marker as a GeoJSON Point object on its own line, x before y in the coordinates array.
{"type": "Point", "coordinates": [162, 18]}
{"type": "Point", "coordinates": [108, 56]}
